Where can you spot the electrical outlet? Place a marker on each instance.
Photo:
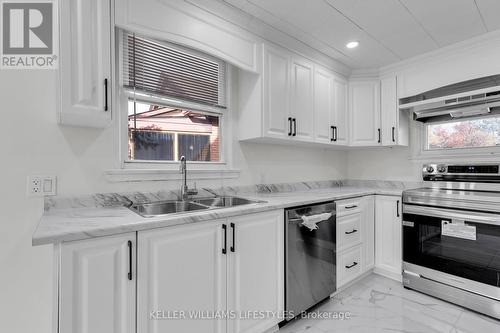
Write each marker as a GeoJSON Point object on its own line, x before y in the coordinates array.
{"type": "Point", "coordinates": [39, 186]}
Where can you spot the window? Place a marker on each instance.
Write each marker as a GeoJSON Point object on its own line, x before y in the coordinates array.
{"type": "Point", "coordinates": [465, 133]}
{"type": "Point", "coordinates": [176, 101]}
{"type": "Point", "coordinates": [166, 133]}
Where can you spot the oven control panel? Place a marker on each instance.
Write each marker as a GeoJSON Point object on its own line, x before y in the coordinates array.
{"type": "Point", "coordinates": [461, 172]}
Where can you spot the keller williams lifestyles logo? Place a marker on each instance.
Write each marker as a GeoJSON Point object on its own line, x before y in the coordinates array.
{"type": "Point", "coordinates": [29, 34]}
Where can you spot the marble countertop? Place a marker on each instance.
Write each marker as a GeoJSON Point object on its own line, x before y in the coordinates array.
{"type": "Point", "coordinates": [69, 224]}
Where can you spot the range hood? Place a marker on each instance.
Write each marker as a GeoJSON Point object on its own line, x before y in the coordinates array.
{"type": "Point", "coordinates": [460, 100]}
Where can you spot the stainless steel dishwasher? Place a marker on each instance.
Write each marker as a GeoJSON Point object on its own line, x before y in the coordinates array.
{"type": "Point", "coordinates": [310, 256]}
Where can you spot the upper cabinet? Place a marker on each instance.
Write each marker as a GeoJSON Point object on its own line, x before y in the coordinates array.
{"type": "Point", "coordinates": [375, 118]}
{"type": "Point", "coordinates": [302, 105]}
{"type": "Point", "coordinates": [85, 63]}
{"type": "Point", "coordinates": [395, 123]}
{"type": "Point", "coordinates": [276, 93]}
{"type": "Point", "coordinates": [292, 100]}
{"type": "Point", "coordinates": [364, 108]}
{"type": "Point", "coordinates": [330, 108]}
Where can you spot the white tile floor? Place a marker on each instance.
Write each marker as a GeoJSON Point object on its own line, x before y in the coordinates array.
{"type": "Point", "coordinates": [378, 304]}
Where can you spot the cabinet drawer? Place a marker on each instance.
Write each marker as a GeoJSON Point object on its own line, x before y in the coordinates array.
{"type": "Point", "coordinates": [350, 206]}
{"type": "Point", "coordinates": [349, 264]}
{"type": "Point", "coordinates": [348, 231]}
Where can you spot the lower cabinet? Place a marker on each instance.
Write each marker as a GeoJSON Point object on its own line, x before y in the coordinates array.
{"type": "Point", "coordinates": [181, 272]}
{"type": "Point", "coordinates": [388, 253]}
{"type": "Point", "coordinates": [232, 266]}
{"type": "Point", "coordinates": [219, 276]}
{"type": "Point", "coordinates": [355, 238]}
{"type": "Point", "coordinates": [97, 285]}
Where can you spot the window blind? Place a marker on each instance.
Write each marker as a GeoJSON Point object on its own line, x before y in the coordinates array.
{"type": "Point", "coordinates": [165, 70]}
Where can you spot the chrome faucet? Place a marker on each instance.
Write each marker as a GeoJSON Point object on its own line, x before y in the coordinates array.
{"type": "Point", "coordinates": [185, 191]}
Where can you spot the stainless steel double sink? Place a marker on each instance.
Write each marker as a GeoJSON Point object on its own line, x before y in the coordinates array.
{"type": "Point", "coordinates": [151, 209]}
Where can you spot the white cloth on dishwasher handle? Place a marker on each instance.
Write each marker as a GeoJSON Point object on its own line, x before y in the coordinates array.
{"type": "Point", "coordinates": [310, 221]}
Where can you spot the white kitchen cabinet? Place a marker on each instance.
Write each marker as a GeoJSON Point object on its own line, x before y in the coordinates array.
{"type": "Point", "coordinates": [330, 108]}
{"type": "Point", "coordinates": [276, 92]}
{"type": "Point", "coordinates": [181, 269]}
{"type": "Point", "coordinates": [395, 123]}
{"type": "Point", "coordinates": [355, 238]}
{"type": "Point", "coordinates": [302, 103]}
{"type": "Point", "coordinates": [341, 115]}
{"type": "Point", "coordinates": [97, 285]}
{"type": "Point", "coordinates": [364, 107]}
{"type": "Point", "coordinates": [324, 105]}
{"type": "Point", "coordinates": [388, 253]}
{"type": "Point", "coordinates": [256, 269]}
{"type": "Point", "coordinates": [226, 265]}
{"type": "Point", "coordinates": [85, 63]}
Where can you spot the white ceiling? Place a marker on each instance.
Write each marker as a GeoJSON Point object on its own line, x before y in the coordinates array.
{"type": "Point", "coordinates": [388, 30]}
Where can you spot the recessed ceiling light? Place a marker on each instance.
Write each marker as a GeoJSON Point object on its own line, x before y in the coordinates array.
{"type": "Point", "coordinates": [352, 44]}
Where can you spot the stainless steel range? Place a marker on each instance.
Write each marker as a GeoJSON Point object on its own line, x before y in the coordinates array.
{"type": "Point", "coordinates": [451, 236]}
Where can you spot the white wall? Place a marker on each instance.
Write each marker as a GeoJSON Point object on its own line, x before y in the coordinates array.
{"type": "Point", "coordinates": [34, 144]}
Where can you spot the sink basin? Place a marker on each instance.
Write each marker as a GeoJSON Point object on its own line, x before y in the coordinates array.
{"type": "Point", "coordinates": [166, 207]}
{"type": "Point", "coordinates": [224, 201]}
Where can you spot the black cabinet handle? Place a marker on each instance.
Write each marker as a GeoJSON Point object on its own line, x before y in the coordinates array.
{"type": "Point", "coordinates": [224, 248]}
{"type": "Point", "coordinates": [351, 207]}
{"type": "Point", "coordinates": [393, 134]}
{"type": "Point", "coordinates": [289, 126]}
{"type": "Point", "coordinates": [351, 232]}
{"type": "Point", "coordinates": [294, 127]}
{"type": "Point", "coordinates": [129, 260]}
{"type": "Point", "coordinates": [333, 133]}
{"type": "Point", "coordinates": [233, 246]}
{"type": "Point", "coordinates": [351, 266]}
{"type": "Point", "coordinates": [105, 94]}
{"type": "Point", "coordinates": [379, 136]}
{"type": "Point", "coordinates": [397, 208]}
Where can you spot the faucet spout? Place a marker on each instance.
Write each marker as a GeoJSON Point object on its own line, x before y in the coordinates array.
{"type": "Point", "coordinates": [184, 187]}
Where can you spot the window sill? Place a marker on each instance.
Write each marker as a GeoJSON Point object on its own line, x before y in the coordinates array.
{"type": "Point", "coordinates": [141, 175]}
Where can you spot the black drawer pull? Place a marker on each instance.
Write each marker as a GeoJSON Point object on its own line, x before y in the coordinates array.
{"type": "Point", "coordinates": [351, 232]}
{"type": "Point", "coordinates": [233, 247]}
{"type": "Point", "coordinates": [351, 266]}
{"type": "Point", "coordinates": [379, 136]}
{"type": "Point", "coordinates": [393, 134]}
{"type": "Point", "coordinates": [397, 209]}
{"type": "Point", "coordinates": [294, 127]}
{"type": "Point", "coordinates": [105, 94]}
{"type": "Point", "coordinates": [290, 126]}
{"type": "Point", "coordinates": [224, 249]}
{"type": "Point", "coordinates": [129, 275]}
{"type": "Point", "coordinates": [351, 207]}
{"type": "Point", "coordinates": [333, 133]}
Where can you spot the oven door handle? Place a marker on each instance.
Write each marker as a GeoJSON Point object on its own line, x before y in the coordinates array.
{"type": "Point", "coordinates": [469, 216]}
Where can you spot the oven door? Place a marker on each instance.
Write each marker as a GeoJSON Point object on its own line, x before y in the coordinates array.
{"type": "Point", "coordinates": [459, 243]}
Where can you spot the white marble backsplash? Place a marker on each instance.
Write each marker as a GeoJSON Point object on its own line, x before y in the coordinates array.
{"type": "Point", "coordinates": [125, 199]}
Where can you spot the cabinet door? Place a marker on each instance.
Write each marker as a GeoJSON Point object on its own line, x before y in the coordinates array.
{"type": "Point", "coordinates": [181, 269]}
{"type": "Point", "coordinates": [364, 104]}
{"type": "Point", "coordinates": [324, 106]}
{"type": "Point", "coordinates": [276, 92]}
{"type": "Point", "coordinates": [341, 122]}
{"type": "Point", "coordinates": [85, 72]}
{"type": "Point", "coordinates": [389, 111]}
{"type": "Point", "coordinates": [256, 270]}
{"type": "Point", "coordinates": [368, 220]}
{"type": "Point", "coordinates": [302, 100]}
{"type": "Point", "coordinates": [97, 295]}
{"type": "Point", "coordinates": [388, 255]}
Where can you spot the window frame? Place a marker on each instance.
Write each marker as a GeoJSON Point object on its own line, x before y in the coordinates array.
{"type": "Point", "coordinates": [225, 121]}
{"type": "Point", "coordinates": [419, 135]}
